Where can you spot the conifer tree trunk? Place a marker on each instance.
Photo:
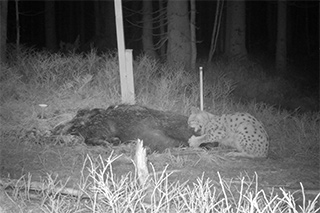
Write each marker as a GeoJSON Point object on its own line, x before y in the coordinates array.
{"type": "Point", "coordinates": [147, 36]}
{"type": "Point", "coordinates": [179, 43]}
{"type": "Point", "coordinates": [193, 34]}
{"type": "Point", "coordinates": [109, 24]}
{"type": "Point", "coordinates": [50, 25]}
{"type": "Point", "coordinates": [97, 23]}
{"type": "Point", "coordinates": [3, 29]}
{"type": "Point", "coordinates": [70, 18]}
{"type": "Point", "coordinates": [82, 22]}
{"type": "Point", "coordinates": [236, 29]}
{"type": "Point", "coordinates": [162, 31]}
{"type": "Point", "coordinates": [271, 25]}
{"type": "Point", "coordinates": [281, 54]}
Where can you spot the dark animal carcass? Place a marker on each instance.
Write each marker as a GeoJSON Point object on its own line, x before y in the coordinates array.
{"type": "Point", "coordinates": [124, 123]}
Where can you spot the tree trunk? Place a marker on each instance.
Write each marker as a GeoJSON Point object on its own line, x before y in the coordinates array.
{"type": "Point", "coordinates": [221, 43]}
{"type": "Point", "coordinates": [50, 25]}
{"type": "Point", "coordinates": [179, 44]}
{"type": "Point", "coordinates": [3, 29]}
{"type": "Point", "coordinates": [104, 38]}
{"type": "Point", "coordinates": [17, 25]}
{"type": "Point", "coordinates": [193, 34]}
{"type": "Point", "coordinates": [71, 15]}
{"type": "Point", "coordinates": [271, 24]}
{"type": "Point", "coordinates": [82, 21]}
{"type": "Point", "coordinates": [236, 29]}
{"type": "Point", "coordinates": [162, 31]}
{"type": "Point", "coordinates": [97, 26]}
{"type": "Point", "coordinates": [216, 29]}
{"type": "Point", "coordinates": [281, 53]}
{"type": "Point", "coordinates": [147, 36]}
{"type": "Point", "coordinates": [110, 25]}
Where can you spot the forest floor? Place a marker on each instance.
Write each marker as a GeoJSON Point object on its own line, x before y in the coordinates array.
{"type": "Point", "coordinates": [66, 84]}
{"type": "Point", "coordinates": [67, 163]}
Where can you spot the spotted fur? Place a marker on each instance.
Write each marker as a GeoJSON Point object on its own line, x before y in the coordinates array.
{"type": "Point", "coordinates": [241, 131]}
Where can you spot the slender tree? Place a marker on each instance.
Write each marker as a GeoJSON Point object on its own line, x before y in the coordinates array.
{"type": "Point", "coordinates": [81, 22]}
{"type": "Point", "coordinates": [50, 25]}
{"type": "Point", "coordinates": [104, 37]}
{"type": "Point", "coordinates": [17, 24]}
{"type": "Point", "coordinates": [271, 25]}
{"type": "Point", "coordinates": [216, 28]}
{"type": "Point", "coordinates": [179, 48]}
{"type": "Point", "coordinates": [147, 35]}
{"type": "Point", "coordinates": [193, 34]}
{"type": "Point", "coordinates": [281, 52]}
{"type": "Point", "coordinates": [3, 29]}
{"type": "Point", "coordinates": [162, 27]}
{"type": "Point", "coordinates": [110, 24]}
{"type": "Point", "coordinates": [70, 28]}
{"type": "Point", "coordinates": [97, 23]}
{"type": "Point", "coordinates": [236, 29]}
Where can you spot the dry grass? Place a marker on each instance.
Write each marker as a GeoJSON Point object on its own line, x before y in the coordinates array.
{"type": "Point", "coordinates": [100, 190]}
{"type": "Point", "coordinates": [67, 84]}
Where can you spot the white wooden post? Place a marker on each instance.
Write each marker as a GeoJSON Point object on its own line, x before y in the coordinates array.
{"type": "Point", "coordinates": [128, 96]}
{"type": "Point", "coordinates": [201, 88]}
{"type": "Point", "coordinates": [126, 75]}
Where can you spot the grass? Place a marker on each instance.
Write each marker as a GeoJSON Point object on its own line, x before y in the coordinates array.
{"type": "Point", "coordinates": [100, 190]}
{"type": "Point", "coordinates": [69, 83]}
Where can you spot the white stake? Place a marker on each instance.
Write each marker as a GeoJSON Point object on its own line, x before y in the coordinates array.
{"type": "Point", "coordinates": [126, 76]}
{"type": "Point", "coordinates": [201, 88]}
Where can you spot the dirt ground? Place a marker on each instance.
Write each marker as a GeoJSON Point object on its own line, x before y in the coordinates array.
{"type": "Point", "coordinates": [66, 161]}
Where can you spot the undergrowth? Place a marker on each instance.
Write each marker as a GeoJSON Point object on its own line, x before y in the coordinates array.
{"type": "Point", "coordinates": [69, 83]}
{"type": "Point", "coordinates": [100, 190]}
{"type": "Point", "coordinates": [76, 81]}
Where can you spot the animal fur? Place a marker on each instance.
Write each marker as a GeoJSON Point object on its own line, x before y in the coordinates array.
{"type": "Point", "coordinates": [125, 123]}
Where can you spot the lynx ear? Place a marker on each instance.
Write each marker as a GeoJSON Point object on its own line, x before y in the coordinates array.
{"type": "Point", "coordinates": [194, 110]}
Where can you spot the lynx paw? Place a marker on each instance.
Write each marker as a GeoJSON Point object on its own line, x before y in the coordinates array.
{"type": "Point", "coordinates": [194, 141]}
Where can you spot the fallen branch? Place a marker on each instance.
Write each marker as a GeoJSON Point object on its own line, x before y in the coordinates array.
{"type": "Point", "coordinates": [39, 187]}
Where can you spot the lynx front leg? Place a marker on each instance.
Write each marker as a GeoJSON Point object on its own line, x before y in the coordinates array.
{"type": "Point", "coordinates": [195, 141]}
{"type": "Point", "coordinates": [244, 155]}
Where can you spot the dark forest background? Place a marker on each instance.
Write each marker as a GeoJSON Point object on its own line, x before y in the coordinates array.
{"type": "Point", "coordinates": [303, 25]}
{"type": "Point", "coordinates": [81, 21]}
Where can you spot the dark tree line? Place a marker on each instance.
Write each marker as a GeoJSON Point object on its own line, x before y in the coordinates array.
{"type": "Point", "coordinates": [166, 29]}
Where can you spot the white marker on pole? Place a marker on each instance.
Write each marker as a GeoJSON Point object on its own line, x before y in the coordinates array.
{"type": "Point", "coordinates": [201, 88]}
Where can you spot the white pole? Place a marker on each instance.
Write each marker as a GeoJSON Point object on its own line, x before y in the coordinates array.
{"type": "Point", "coordinates": [201, 88]}
{"type": "Point", "coordinates": [121, 51]}
{"type": "Point", "coordinates": [129, 96]}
